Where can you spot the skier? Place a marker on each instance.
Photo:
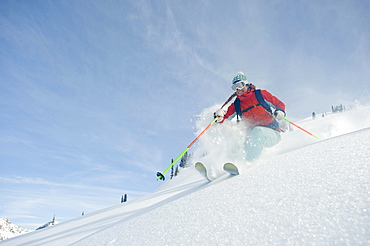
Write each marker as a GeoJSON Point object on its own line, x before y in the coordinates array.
{"type": "Point", "coordinates": [254, 108]}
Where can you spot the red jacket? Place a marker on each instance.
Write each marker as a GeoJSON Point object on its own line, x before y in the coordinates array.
{"type": "Point", "coordinates": [257, 116]}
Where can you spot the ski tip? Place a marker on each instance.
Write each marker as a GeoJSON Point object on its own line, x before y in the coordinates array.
{"type": "Point", "coordinates": [231, 168]}
{"type": "Point", "coordinates": [202, 170]}
{"type": "Point", "coordinates": [200, 166]}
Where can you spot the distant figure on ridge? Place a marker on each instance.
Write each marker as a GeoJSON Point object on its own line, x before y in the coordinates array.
{"type": "Point", "coordinates": [254, 108]}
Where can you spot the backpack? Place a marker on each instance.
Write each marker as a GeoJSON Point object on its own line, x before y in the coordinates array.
{"type": "Point", "coordinates": [261, 102]}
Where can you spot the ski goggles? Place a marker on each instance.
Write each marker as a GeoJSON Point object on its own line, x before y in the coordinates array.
{"type": "Point", "coordinates": [238, 85]}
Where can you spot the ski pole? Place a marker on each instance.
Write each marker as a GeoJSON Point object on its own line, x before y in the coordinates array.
{"type": "Point", "coordinates": [161, 175]}
{"type": "Point", "coordinates": [301, 128]}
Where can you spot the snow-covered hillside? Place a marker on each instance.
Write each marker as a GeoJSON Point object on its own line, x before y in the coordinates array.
{"type": "Point", "coordinates": [9, 230]}
{"type": "Point", "coordinates": [302, 192]}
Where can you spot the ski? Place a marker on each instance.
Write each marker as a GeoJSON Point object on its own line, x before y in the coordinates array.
{"type": "Point", "coordinates": [202, 170]}
{"type": "Point", "coordinates": [231, 168]}
{"type": "Point", "coordinates": [228, 167]}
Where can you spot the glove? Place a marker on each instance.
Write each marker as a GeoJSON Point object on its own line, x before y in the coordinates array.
{"type": "Point", "coordinates": [279, 114]}
{"type": "Point", "coordinates": [220, 114]}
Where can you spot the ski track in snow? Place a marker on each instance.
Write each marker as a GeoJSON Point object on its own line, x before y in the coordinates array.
{"type": "Point", "coordinates": [302, 192]}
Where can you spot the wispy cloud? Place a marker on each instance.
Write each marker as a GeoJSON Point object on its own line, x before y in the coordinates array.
{"type": "Point", "coordinates": [24, 180]}
{"type": "Point", "coordinates": [81, 186]}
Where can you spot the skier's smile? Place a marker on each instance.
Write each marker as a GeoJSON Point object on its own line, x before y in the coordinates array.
{"type": "Point", "coordinates": [241, 91]}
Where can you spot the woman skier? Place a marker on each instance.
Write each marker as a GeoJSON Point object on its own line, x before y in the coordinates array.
{"type": "Point", "coordinates": [254, 108]}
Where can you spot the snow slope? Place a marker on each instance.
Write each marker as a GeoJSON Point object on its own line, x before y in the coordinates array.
{"type": "Point", "coordinates": [303, 192]}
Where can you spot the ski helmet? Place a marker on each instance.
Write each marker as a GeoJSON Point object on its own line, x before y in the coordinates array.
{"type": "Point", "coordinates": [240, 77]}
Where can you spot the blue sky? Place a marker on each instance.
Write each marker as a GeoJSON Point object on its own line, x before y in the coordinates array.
{"type": "Point", "coordinates": [97, 96]}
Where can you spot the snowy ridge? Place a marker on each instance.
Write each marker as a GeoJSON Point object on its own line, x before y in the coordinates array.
{"type": "Point", "coordinates": [303, 192]}
{"type": "Point", "coordinates": [9, 230]}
